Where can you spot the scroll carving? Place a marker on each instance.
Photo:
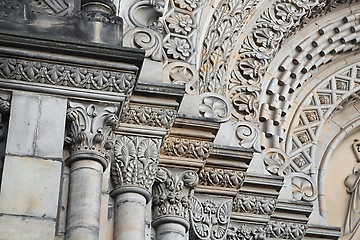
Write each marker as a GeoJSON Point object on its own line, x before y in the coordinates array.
{"type": "Point", "coordinates": [135, 161]}
{"type": "Point", "coordinates": [277, 162]}
{"type": "Point", "coordinates": [90, 128]}
{"type": "Point", "coordinates": [254, 204]}
{"type": "Point", "coordinates": [172, 192]}
{"type": "Point", "coordinates": [221, 177]}
{"type": "Point", "coordinates": [214, 106]}
{"type": "Point", "coordinates": [303, 187]}
{"type": "Point", "coordinates": [210, 219]}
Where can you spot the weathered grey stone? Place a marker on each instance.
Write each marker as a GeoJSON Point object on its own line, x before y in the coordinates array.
{"type": "Point", "coordinates": [35, 189]}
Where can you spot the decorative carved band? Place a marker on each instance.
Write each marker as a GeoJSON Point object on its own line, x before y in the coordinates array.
{"type": "Point", "coordinates": [221, 177]}
{"type": "Point", "coordinates": [99, 17]}
{"type": "Point", "coordinates": [188, 148]}
{"type": "Point", "coordinates": [135, 161]}
{"type": "Point", "coordinates": [274, 229]}
{"type": "Point", "coordinates": [254, 204]}
{"type": "Point", "coordinates": [89, 130]}
{"type": "Point", "coordinates": [62, 75]}
{"type": "Point", "coordinates": [172, 192]}
{"type": "Point", "coordinates": [148, 116]}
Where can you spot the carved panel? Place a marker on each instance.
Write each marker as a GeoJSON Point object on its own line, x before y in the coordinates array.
{"type": "Point", "coordinates": [188, 148]}
{"type": "Point", "coordinates": [221, 177]}
{"type": "Point", "coordinates": [254, 204]}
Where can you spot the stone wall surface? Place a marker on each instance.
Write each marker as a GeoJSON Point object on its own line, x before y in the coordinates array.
{"type": "Point", "coordinates": [179, 119]}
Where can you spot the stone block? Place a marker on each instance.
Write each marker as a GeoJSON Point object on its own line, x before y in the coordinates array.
{"type": "Point", "coordinates": [23, 228]}
{"type": "Point", "coordinates": [30, 187]}
{"type": "Point", "coordinates": [50, 134]}
{"type": "Point", "coordinates": [36, 125]}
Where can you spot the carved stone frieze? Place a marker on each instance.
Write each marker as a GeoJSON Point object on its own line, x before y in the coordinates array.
{"type": "Point", "coordinates": [99, 17]}
{"type": "Point", "coordinates": [64, 75]}
{"type": "Point", "coordinates": [273, 229]}
{"type": "Point", "coordinates": [221, 177]}
{"type": "Point", "coordinates": [89, 129]}
{"type": "Point", "coordinates": [172, 192]}
{"type": "Point", "coordinates": [135, 162]}
{"type": "Point", "coordinates": [210, 219]}
{"type": "Point", "coordinates": [254, 204]}
{"type": "Point", "coordinates": [148, 116]}
{"type": "Point", "coordinates": [188, 148]}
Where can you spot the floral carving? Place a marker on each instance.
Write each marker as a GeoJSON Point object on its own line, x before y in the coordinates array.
{"type": "Point", "coordinates": [62, 75]}
{"type": "Point", "coordinates": [214, 106]}
{"type": "Point", "coordinates": [135, 161]}
{"type": "Point", "coordinates": [254, 204]}
{"type": "Point", "coordinates": [187, 148]}
{"type": "Point", "coordinates": [172, 192]}
{"type": "Point", "coordinates": [245, 233]}
{"type": "Point", "coordinates": [90, 128]}
{"type": "Point", "coordinates": [188, 5]}
{"type": "Point", "coordinates": [221, 177]}
{"type": "Point", "coordinates": [178, 48]}
{"type": "Point", "coordinates": [148, 116]}
{"type": "Point", "coordinates": [277, 162]}
{"type": "Point", "coordinates": [182, 73]}
{"type": "Point", "coordinates": [181, 23]}
{"type": "Point", "coordinates": [209, 219]}
{"type": "Point", "coordinates": [303, 187]}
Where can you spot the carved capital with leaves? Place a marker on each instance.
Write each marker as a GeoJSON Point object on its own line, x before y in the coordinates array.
{"type": "Point", "coordinates": [89, 131]}
{"type": "Point", "coordinates": [135, 162]}
{"type": "Point", "coordinates": [172, 192]}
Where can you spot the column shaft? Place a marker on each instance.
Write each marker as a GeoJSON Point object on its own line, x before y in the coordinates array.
{"type": "Point", "coordinates": [84, 200]}
{"type": "Point", "coordinates": [170, 231]}
{"type": "Point", "coordinates": [130, 216]}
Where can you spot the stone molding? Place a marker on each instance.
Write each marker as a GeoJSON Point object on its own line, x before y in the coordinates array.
{"type": "Point", "coordinates": [186, 148]}
{"type": "Point", "coordinates": [224, 178]}
{"type": "Point", "coordinates": [254, 204]}
{"type": "Point", "coordinates": [172, 192]}
{"type": "Point", "coordinates": [89, 131]}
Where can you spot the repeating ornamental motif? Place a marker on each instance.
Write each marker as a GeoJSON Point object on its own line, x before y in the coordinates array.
{"type": "Point", "coordinates": [188, 148]}
{"type": "Point", "coordinates": [148, 116]}
{"type": "Point", "coordinates": [63, 75]}
{"type": "Point", "coordinates": [221, 177]}
{"type": "Point", "coordinates": [135, 162]}
{"type": "Point", "coordinates": [254, 204]}
{"type": "Point", "coordinates": [90, 127]}
{"type": "Point", "coordinates": [209, 219]}
{"type": "Point", "coordinates": [172, 192]}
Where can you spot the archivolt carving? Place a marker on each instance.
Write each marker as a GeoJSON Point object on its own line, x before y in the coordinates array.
{"type": "Point", "coordinates": [135, 161]}
{"type": "Point", "coordinates": [224, 28]}
{"type": "Point", "coordinates": [209, 219]}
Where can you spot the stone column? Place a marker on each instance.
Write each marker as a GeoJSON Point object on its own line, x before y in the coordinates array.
{"type": "Point", "coordinates": [171, 202]}
{"type": "Point", "coordinates": [89, 135]}
{"type": "Point", "coordinates": [133, 173]}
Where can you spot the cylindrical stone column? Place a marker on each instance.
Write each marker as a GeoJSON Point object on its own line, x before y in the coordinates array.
{"type": "Point", "coordinates": [83, 217]}
{"type": "Point", "coordinates": [171, 200]}
{"type": "Point", "coordinates": [171, 228]}
{"type": "Point", "coordinates": [89, 136]}
{"type": "Point", "coordinates": [130, 204]}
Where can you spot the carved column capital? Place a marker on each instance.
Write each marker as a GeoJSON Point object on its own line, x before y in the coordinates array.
{"type": "Point", "coordinates": [135, 163]}
{"type": "Point", "coordinates": [172, 194]}
{"type": "Point", "coordinates": [89, 132]}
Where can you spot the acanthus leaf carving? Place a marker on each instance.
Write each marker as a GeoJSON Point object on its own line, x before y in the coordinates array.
{"type": "Point", "coordinates": [172, 192]}
{"type": "Point", "coordinates": [148, 116]}
{"type": "Point", "coordinates": [254, 204]}
{"type": "Point", "coordinates": [90, 128]}
{"type": "Point", "coordinates": [209, 219]}
{"type": "Point", "coordinates": [221, 177]}
{"type": "Point", "coordinates": [135, 162]}
{"type": "Point", "coordinates": [188, 148]}
{"type": "Point", "coordinates": [248, 136]}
